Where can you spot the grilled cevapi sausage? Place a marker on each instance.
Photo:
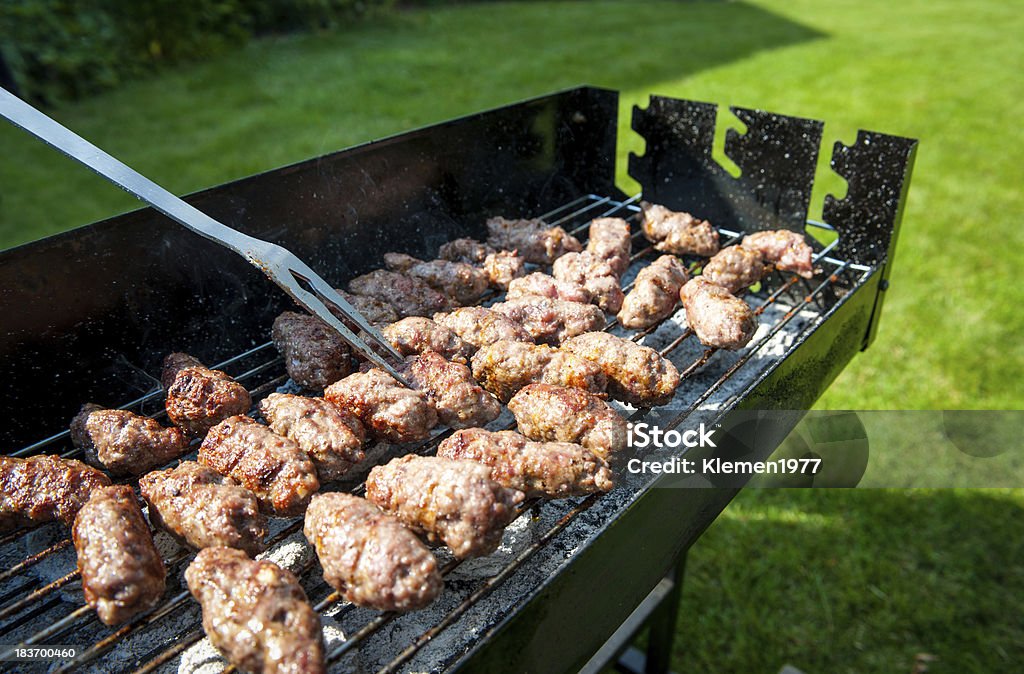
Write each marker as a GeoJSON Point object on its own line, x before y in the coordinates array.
{"type": "Point", "coordinates": [256, 613]}
{"type": "Point", "coordinates": [535, 240]}
{"type": "Point", "coordinates": [269, 465]}
{"type": "Point", "coordinates": [544, 469]}
{"type": "Point", "coordinates": [204, 509]}
{"type": "Point", "coordinates": [389, 411]}
{"type": "Point", "coordinates": [122, 573]}
{"type": "Point", "coordinates": [332, 437]}
{"type": "Point", "coordinates": [609, 239]}
{"type": "Point", "coordinates": [453, 502]}
{"type": "Point", "coordinates": [505, 367]}
{"type": "Point", "coordinates": [678, 233]}
{"type": "Point", "coordinates": [551, 321]}
{"type": "Point", "coordinates": [481, 327]}
{"type": "Point", "coordinates": [460, 402]}
{"type": "Point", "coordinates": [371, 557]}
{"type": "Point", "coordinates": [556, 413]}
{"type": "Point", "coordinates": [655, 293]}
{"type": "Point", "coordinates": [593, 273]}
{"type": "Point", "coordinates": [44, 488]}
{"type": "Point", "coordinates": [787, 250]}
{"type": "Point", "coordinates": [315, 356]}
{"type": "Point", "coordinates": [123, 442]}
{"type": "Point", "coordinates": [734, 268]}
{"type": "Point", "coordinates": [637, 374]}
{"type": "Point", "coordinates": [199, 398]}
{"type": "Point", "coordinates": [718, 318]}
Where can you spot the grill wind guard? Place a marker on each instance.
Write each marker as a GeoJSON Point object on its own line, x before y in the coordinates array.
{"type": "Point", "coordinates": [90, 314]}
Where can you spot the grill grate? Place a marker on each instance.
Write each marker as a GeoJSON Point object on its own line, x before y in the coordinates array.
{"type": "Point", "coordinates": [260, 369]}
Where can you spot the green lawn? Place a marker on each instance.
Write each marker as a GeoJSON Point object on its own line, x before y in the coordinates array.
{"type": "Point", "coordinates": [831, 581]}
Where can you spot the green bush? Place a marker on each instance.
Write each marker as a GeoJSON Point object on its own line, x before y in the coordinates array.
{"type": "Point", "coordinates": [65, 49]}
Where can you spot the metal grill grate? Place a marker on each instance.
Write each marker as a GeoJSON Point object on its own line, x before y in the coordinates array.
{"type": "Point", "coordinates": [26, 608]}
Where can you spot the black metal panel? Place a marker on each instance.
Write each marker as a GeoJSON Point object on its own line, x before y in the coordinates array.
{"type": "Point", "coordinates": [777, 157]}
{"type": "Point", "coordinates": [89, 314]}
{"type": "Point", "coordinates": [877, 169]}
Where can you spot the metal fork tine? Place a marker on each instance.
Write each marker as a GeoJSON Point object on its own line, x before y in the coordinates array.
{"type": "Point", "coordinates": [316, 306]}
{"type": "Point", "coordinates": [333, 299]}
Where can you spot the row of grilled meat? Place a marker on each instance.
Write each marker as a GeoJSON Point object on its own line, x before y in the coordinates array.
{"type": "Point", "coordinates": [542, 351]}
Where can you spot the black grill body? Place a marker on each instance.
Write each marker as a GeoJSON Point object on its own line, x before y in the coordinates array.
{"type": "Point", "coordinates": [89, 314]}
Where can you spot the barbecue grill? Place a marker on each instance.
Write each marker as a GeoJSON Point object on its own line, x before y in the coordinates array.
{"type": "Point", "coordinates": [89, 315]}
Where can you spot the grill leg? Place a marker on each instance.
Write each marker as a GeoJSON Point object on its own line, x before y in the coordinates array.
{"type": "Point", "coordinates": [657, 613]}
{"type": "Point", "coordinates": [663, 624]}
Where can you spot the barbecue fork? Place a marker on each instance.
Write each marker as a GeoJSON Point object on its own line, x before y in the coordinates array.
{"type": "Point", "coordinates": [281, 266]}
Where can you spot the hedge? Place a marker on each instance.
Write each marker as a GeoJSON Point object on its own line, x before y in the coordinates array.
{"type": "Point", "coordinates": [63, 49]}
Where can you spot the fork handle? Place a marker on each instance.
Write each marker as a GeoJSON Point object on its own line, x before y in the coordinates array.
{"type": "Point", "coordinates": [52, 133]}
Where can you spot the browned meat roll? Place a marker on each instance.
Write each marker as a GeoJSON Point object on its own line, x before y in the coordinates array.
{"type": "Point", "coordinates": [315, 356]}
{"type": "Point", "coordinates": [505, 367]}
{"type": "Point", "coordinates": [480, 326]}
{"type": "Point", "coordinates": [655, 293]}
{"type": "Point", "coordinates": [458, 399]}
{"type": "Point", "coordinates": [503, 267]}
{"type": "Point", "coordinates": [539, 469]}
{"type": "Point", "coordinates": [123, 442]}
{"type": "Point", "coordinates": [408, 295]}
{"type": "Point", "coordinates": [462, 283]}
{"type": "Point", "coordinates": [678, 233]}
{"type": "Point", "coordinates": [44, 488]}
{"type": "Point", "coordinates": [543, 285]}
{"type": "Point", "coordinates": [416, 334]}
{"type": "Point", "coordinates": [594, 274]}
{"type": "Point", "coordinates": [551, 321]}
{"type": "Point", "coordinates": [376, 312]}
{"type": "Point", "coordinates": [371, 557]}
{"type": "Point", "coordinates": [734, 268]}
{"type": "Point", "coordinates": [609, 239]}
{"type": "Point", "coordinates": [718, 318]}
{"type": "Point", "coordinates": [556, 413]}
{"type": "Point", "coordinates": [535, 240]}
{"type": "Point", "coordinates": [332, 438]}
{"type": "Point", "coordinates": [199, 398]}
{"type": "Point", "coordinates": [122, 573]}
{"type": "Point", "coordinates": [256, 613]}
{"type": "Point", "coordinates": [270, 466]}
{"type": "Point", "coordinates": [203, 509]}
{"type": "Point", "coordinates": [389, 411]}
{"type": "Point", "coordinates": [454, 502]}
{"type": "Point", "coordinates": [787, 250]}
{"type": "Point", "coordinates": [466, 250]}
{"type": "Point", "coordinates": [637, 374]}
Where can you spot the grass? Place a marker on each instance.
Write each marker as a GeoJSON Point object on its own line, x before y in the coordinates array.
{"type": "Point", "coordinates": [831, 581]}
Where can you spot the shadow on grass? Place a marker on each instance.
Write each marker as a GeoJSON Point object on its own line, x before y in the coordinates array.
{"type": "Point", "coordinates": [856, 580]}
